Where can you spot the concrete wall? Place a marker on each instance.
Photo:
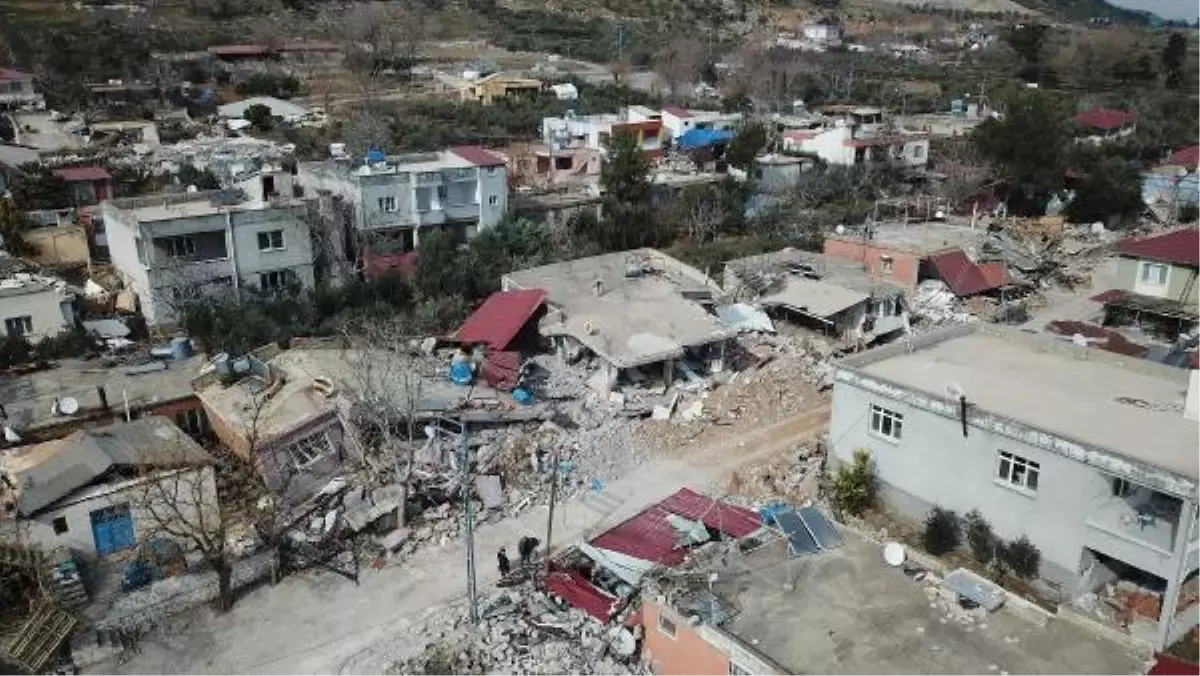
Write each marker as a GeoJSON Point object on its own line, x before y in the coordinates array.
{"type": "Point", "coordinates": [198, 485]}
{"type": "Point", "coordinates": [493, 182]}
{"type": "Point", "coordinates": [67, 245]}
{"type": "Point", "coordinates": [905, 268]}
{"type": "Point", "coordinates": [50, 311]}
{"type": "Point", "coordinates": [694, 649]}
{"type": "Point", "coordinates": [297, 254]}
{"type": "Point", "coordinates": [1181, 281]}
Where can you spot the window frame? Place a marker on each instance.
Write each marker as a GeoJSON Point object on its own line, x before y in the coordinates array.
{"type": "Point", "coordinates": [185, 243]}
{"type": "Point", "coordinates": [1007, 475]}
{"type": "Point", "coordinates": [65, 526]}
{"type": "Point", "coordinates": [493, 200]}
{"type": "Point", "coordinates": [283, 278]}
{"type": "Point", "coordinates": [1146, 266]}
{"type": "Point", "coordinates": [875, 424]}
{"type": "Point", "coordinates": [308, 444]}
{"type": "Point", "coordinates": [388, 204]}
{"type": "Point", "coordinates": [271, 236]}
{"type": "Point", "coordinates": [673, 630]}
{"type": "Point", "coordinates": [25, 327]}
{"type": "Point", "coordinates": [736, 669]}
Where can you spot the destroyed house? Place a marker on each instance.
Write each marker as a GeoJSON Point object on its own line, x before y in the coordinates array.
{"type": "Point", "coordinates": [898, 252]}
{"type": "Point", "coordinates": [1157, 277]}
{"type": "Point", "coordinates": [636, 310]}
{"type": "Point", "coordinates": [1090, 455]}
{"type": "Point", "coordinates": [823, 293]}
{"type": "Point", "coordinates": [607, 568]}
{"type": "Point", "coordinates": [87, 491]}
{"type": "Point", "coordinates": [502, 326]}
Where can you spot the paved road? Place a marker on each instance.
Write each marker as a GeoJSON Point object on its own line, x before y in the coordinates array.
{"type": "Point", "coordinates": [319, 623]}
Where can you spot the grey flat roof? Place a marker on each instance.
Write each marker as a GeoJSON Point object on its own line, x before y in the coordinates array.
{"type": "Point", "coordinates": [831, 270]}
{"type": "Point", "coordinates": [1055, 390]}
{"type": "Point", "coordinates": [635, 320]}
{"type": "Point", "coordinates": [812, 297]}
{"type": "Point", "coordinates": [919, 238]}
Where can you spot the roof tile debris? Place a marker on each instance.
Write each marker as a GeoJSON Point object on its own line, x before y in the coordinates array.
{"type": "Point", "coordinates": [1105, 119]}
{"type": "Point", "coordinates": [1181, 247]}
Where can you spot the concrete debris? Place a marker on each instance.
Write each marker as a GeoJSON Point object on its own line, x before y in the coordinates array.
{"type": "Point", "coordinates": [934, 303]}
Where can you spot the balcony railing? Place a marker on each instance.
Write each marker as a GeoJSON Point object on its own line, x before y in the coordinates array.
{"type": "Point", "coordinates": [1145, 517]}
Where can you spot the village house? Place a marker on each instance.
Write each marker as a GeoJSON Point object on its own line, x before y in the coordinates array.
{"type": "Point", "coordinates": [898, 252]}
{"type": "Point", "coordinates": [595, 131]}
{"type": "Point", "coordinates": [86, 186]}
{"type": "Point", "coordinates": [16, 90]}
{"type": "Point", "coordinates": [639, 312]}
{"type": "Point", "coordinates": [679, 121]}
{"type": "Point", "coordinates": [93, 490]}
{"type": "Point", "coordinates": [1157, 283]}
{"type": "Point", "coordinates": [1100, 125]}
{"type": "Point", "coordinates": [385, 204]}
{"type": "Point", "coordinates": [1088, 454]}
{"type": "Point", "coordinates": [37, 307]}
{"type": "Point", "coordinates": [488, 88]}
{"type": "Point", "coordinates": [171, 248]}
{"type": "Point", "coordinates": [857, 135]}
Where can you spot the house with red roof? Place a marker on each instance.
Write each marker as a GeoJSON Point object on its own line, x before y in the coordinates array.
{"type": "Point", "coordinates": [1157, 280]}
{"type": "Point", "coordinates": [86, 185]}
{"type": "Point", "coordinates": [16, 90]}
{"type": "Point", "coordinates": [1099, 125]}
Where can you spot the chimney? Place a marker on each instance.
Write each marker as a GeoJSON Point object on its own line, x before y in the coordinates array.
{"type": "Point", "coordinates": [1191, 407]}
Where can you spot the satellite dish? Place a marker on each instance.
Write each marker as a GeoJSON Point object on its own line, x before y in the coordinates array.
{"type": "Point", "coordinates": [68, 406]}
{"type": "Point", "coordinates": [954, 390]}
{"type": "Point", "coordinates": [894, 554]}
{"type": "Point", "coordinates": [1079, 341]}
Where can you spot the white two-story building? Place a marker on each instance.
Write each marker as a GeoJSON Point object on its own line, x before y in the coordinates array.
{"type": "Point", "coordinates": [859, 135]}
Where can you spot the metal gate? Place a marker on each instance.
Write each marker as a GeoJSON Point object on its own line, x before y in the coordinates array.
{"type": "Point", "coordinates": [112, 529]}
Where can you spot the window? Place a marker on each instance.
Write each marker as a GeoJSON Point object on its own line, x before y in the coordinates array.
{"type": "Point", "coordinates": [307, 451]}
{"type": "Point", "coordinates": [493, 200]}
{"type": "Point", "coordinates": [665, 627]}
{"type": "Point", "coordinates": [736, 669]}
{"type": "Point", "coordinates": [443, 192]}
{"type": "Point", "coordinates": [387, 204]}
{"type": "Point", "coordinates": [1122, 488]}
{"type": "Point", "coordinates": [1154, 273]}
{"type": "Point", "coordinates": [192, 421]}
{"type": "Point", "coordinates": [886, 264]}
{"type": "Point", "coordinates": [271, 240]}
{"type": "Point", "coordinates": [179, 247]}
{"type": "Point", "coordinates": [918, 152]}
{"type": "Point", "coordinates": [18, 326]}
{"type": "Point", "coordinates": [1018, 471]}
{"type": "Point", "coordinates": [492, 170]}
{"type": "Point", "coordinates": [274, 280]}
{"type": "Point", "coordinates": [60, 525]}
{"type": "Point", "coordinates": [885, 423]}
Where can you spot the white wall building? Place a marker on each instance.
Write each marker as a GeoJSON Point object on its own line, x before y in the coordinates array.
{"type": "Point", "coordinates": [36, 307]}
{"type": "Point", "coordinates": [860, 137]}
{"type": "Point", "coordinates": [171, 248]}
{"type": "Point", "coordinates": [1088, 454]}
{"type": "Point", "coordinates": [679, 121]}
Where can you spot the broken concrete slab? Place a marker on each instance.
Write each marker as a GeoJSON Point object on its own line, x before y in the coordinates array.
{"type": "Point", "coordinates": [490, 492]}
{"type": "Point", "coordinates": [392, 541]}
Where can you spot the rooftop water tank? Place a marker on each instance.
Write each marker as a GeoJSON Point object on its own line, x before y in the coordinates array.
{"type": "Point", "coordinates": [375, 156]}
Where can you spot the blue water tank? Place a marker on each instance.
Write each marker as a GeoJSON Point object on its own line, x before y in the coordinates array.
{"type": "Point", "coordinates": [375, 156]}
{"type": "Point", "coordinates": [181, 347]}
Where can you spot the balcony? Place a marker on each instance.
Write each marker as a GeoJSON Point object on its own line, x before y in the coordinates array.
{"type": "Point", "coordinates": [1142, 516]}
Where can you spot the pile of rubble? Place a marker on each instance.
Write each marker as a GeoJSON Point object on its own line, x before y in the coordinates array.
{"type": "Point", "coordinates": [794, 477]}
{"type": "Point", "coordinates": [520, 632]}
{"type": "Point", "coordinates": [935, 305]}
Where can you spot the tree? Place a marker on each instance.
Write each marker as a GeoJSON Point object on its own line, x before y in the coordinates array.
{"type": "Point", "coordinates": [943, 533]}
{"type": "Point", "coordinates": [625, 179]}
{"type": "Point", "coordinates": [750, 139]}
{"type": "Point", "coordinates": [14, 225]}
{"type": "Point", "coordinates": [203, 179]}
{"type": "Point", "coordinates": [853, 487]}
{"type": "Point", "coordinates": [438, 271]}
{"type": "Point", "coordinates": [1110, 191]}
{"type": "Point", "coordinates": [1028, 40]}
{"type": "Point", "coordinates": [1173, 55]}
{"type": "Point", "coordinates": [1028, 146]}
{"type": "Point", "coordinates": [1023, 558]}
{"type": "Point", "coordinates": [680, 63]}
{"type": "Point", "coordinates": [980, 537]}
{"type": "Point", "coordinates": [259, 115]}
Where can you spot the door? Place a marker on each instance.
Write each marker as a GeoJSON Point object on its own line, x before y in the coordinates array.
{"type": "Point", "coordinates": [112, 529]}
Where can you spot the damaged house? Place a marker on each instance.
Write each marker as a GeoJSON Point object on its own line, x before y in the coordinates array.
{"type": "Point", "coordinates": [822, 293]}
{"type": "Point", "coordinates": [87, 491]}
{"type": "Point", "coordinates": [1157, 278]}
{"type": "Point", "coordinates": [638, 312]}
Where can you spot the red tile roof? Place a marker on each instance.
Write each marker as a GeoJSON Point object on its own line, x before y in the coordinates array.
{"type": "Point", "coordinates": [1104, 118]}
{"type": "Point", "coordinates": [1185, 157]}
{"type": "Point", "coordinates": [1181, 247]}
{"type": "Point", "coordinates": [650, 537]}
{"type": "Point", "coordinates": [81, 174]}
{"type": "Point", "coordinates": [576, 590]}
{"type": "Point", "coordinates": [964, 276]}
{"type": "Point", "coordinates": [501, 317]}
{"type": "Point", "coordinates": [1166, 665]}
{"type": "Point", "coordinates": [478, 156]}
{"type": "Point", "coordinates": [10, 75]}
{"type": "Point", "coordinates": [677, 112]}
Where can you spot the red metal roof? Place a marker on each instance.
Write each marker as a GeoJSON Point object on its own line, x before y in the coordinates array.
{"type": "Point", "coordinates": [500, 370]}
{"type": "Point", "coordinates": [580, 593]}
{"type": "Point", "coordinates": [964, 276]}
{"type": "Point", "coordinates": [1185, 157]}
{"type": "Point", "coordinates": [478, 156]}
{"type": "Point", "coordinates": [650, 537]}
{"type": "Point", "coordinates": [10, 75]}
{"type": "Point", "coordinates": [677, 112]}
{"type": "Point", "coordinates": [1105, 339]}
{"type": "Point", "coordinates": [81, 174]}
{"type": "Point", "coordinates": [501, 318]}
{"type": "Point", "coordinates": [1166, 665]}
{"type": "Point", "coordinates": [1181, 247]}
{"type": "Point", "coordinates": [1104, 118]}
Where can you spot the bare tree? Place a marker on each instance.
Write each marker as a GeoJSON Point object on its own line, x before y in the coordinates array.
{"type": "Point", "coordinates": [377, 39]}
{"type": "Point", "coordinates": [963, 172]}
{"type": "Point", "coordinates": [680, 63]}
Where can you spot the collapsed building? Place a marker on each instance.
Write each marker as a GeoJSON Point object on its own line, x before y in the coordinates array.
{"type": "Point", "coordinates": [639, 312]}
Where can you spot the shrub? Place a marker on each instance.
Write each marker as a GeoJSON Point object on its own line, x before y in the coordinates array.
{"type": "Point", "coordinates": [1023, 558]}
{"type": "Point", "coordinates": [980, 537]}
{"type": "Point", "coordinates": [942, 533]}
{"type": "Point", "coordinates": [854, 484]}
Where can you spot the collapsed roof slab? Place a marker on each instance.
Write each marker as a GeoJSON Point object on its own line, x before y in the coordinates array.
{"type": "Point", "coordinates": [630, 308]}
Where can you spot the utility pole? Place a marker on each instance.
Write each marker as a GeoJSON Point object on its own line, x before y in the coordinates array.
{"type": "Point", "coordinates": [553, 499]}
{"type": "Point", "coordinates": [464, 455]}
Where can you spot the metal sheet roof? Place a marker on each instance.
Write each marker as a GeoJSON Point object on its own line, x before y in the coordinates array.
{"type": "Point", "coordinates": [579, 593]}
{"type": "Point", "coordinates": [478, 156]}
{"type": "Point", "coordinates": [501, 317]}
{"type": "Point", "coordinates": [1104, 118]}
{"type": "Point", "coordinates": [74, 174]}
{"type": "Point", "coordinates": [964, 276]}
{"type": "Point", "coordinates": [1181, 247]}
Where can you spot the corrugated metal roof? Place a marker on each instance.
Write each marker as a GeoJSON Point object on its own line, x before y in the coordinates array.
{"type": "Point", "coordinates": [964, 276]}
{"type": "Point", "coordinates": [1104, 118]}
{"type": "Point", "coordinates": [1181, 247]}
{"type": "Point", "coordinates": [579, 593]}
{"type": "Point", "coordinates": [501, 317]}
{"type": "Point", "coordinates": [478, 156]}
{"type": "Point", "coordinates": [1185, 157]}
{"type": "Point", "coordinates": [75, 174]}
{"type": "Point", "coordinates": [10, 75]}
{"type": "Point", "coordinates": [649, 536]}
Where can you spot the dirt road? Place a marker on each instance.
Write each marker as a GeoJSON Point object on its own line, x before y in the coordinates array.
{"type": "Point", "coordinates": [320, 623]}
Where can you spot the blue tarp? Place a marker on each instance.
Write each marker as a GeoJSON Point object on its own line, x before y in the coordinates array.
{"type": "Point", "coordinates": [702, 138]}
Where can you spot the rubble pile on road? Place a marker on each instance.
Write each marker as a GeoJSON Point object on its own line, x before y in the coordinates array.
{"type": "Point", "coordinates": [793, 477]}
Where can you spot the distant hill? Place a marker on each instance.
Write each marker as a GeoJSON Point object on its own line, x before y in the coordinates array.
{"type": "Point", "coordinates": [1085, 10]}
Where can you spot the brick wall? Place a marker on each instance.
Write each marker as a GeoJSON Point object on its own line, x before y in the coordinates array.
{"type": "Point", "coordinates": [905, 265]}
{"type": "Point", "coordinates": [686, 653]}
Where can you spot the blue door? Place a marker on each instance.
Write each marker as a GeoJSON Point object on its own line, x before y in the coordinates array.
{"type": "Point", "coordinates": [112, 529]}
